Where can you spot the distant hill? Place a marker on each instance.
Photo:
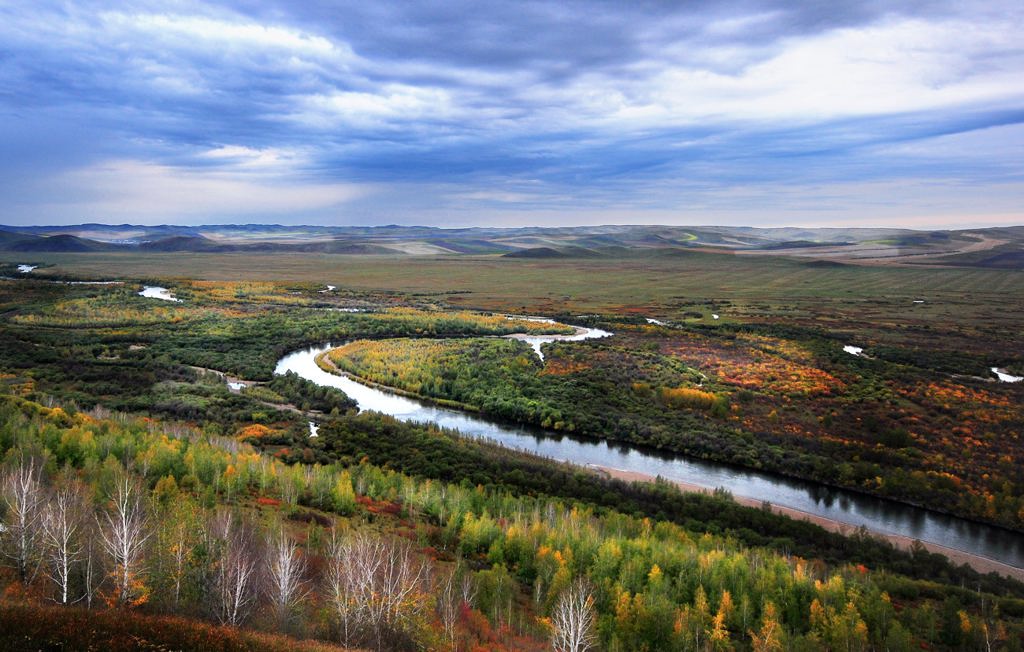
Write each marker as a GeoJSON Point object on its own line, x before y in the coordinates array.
{"type": "Point", "coordinates": [999, 248]}
{"type": "Point", "coordinates": [1005, 260]}
{"type": "Point", "coordinates": [55, 243]}
{"type": "Point", "coordinates": [347, 247]}
{"type": "Point", "coordinates": [179, 243]}
{"type": "Point", "coordinates": [1006, 256]}
{"type": "Point", "coordinates": [9, 238]}
{"type": "Point", "coordinates": [800, 244]}
{"type": "Point", "coordinates": [535, 252]}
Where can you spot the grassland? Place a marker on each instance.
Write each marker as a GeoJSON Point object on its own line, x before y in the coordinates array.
{"type": "Point", "coordinates": [637, 281]}
{"type": "Point", "coordinates": [965, 310]}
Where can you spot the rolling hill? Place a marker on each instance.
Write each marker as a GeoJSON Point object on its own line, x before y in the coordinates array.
{"type": "Point", "coordinates": [987, 248]}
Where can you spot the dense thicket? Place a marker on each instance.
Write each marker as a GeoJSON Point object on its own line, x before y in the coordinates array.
{"type": "Point", "coordinates": [307, 395]}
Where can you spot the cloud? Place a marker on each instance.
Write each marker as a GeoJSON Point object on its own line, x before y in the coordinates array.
{"type": "Point", "coordinates": [202, 31]}
{"type": "Point", "coordinates": [519, 109]}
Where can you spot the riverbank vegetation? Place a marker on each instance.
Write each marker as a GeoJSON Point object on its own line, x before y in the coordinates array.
{"type": "Point", "coordinates": [444, 455]}
{"type": "Point", "coordinates": [123, 346]}
{"type": "Point", "coordinates": [787, 400]}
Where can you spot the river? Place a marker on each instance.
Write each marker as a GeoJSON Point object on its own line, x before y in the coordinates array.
{"type": "Point", "coordinates": [855, 509]}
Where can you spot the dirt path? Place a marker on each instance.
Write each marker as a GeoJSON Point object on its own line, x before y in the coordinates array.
{"type": "Point", "coordinates": [226, 377]}
{"type": "Point", "coordinates": [977, 562]}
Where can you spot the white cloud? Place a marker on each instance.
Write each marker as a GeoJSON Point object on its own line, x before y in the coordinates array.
{"type": "Point", "coordinates": [913, 203]}
{"type": "Point", "coordinates": [501, 196]}
{"type": "Point", "coordinates": [391, 103]}
{"type": "Point", "coordinates": [890, 67]}
{"type": "Point", "coordinates": [202, 31]}
{"type": "Point", "coordinates": [268, 158]}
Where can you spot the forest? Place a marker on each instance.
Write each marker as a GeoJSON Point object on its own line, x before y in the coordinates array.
{"type": "Point", "coordinates": [106, 512]}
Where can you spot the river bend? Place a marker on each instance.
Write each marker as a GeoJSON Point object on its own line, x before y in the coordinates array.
{"type": "Point", "coordinates": [877, 514]}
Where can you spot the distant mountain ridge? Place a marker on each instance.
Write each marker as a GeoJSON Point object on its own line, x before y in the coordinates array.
{"type": "Point", "coordinates": [1000, 247]}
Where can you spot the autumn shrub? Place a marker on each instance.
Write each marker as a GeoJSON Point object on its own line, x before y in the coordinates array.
{"type": "Point", "coordinates": [687, 397]}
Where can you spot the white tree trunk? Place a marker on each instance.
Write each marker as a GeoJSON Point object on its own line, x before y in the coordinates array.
{"type": "Point", "coordinates": [62, 525]}
{"type": "Point", "coordinates": [372, 586]}
{"type": "Point", "coordinates": [573, 619]}
{"type": "Point", "coordinates": [21, 534]}
{"type": "Point", "coordinates": [235, 576]}
{"type": "Point", "coordinates": [124, 531]}
{"type": "Point", "coordinates": [183, 545]}
{"type": "Point", "coordinates": [92, 567]}
{"type": "Point", "coordinates": [286, 571]}
{"type": "Point", "coordinates": [448, 603]}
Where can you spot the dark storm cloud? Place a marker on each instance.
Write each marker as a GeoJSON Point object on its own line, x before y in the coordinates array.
{"type": "Point", "coordinates": [566, 38]}
{"type": "Point", "coordinates": [349, 110]}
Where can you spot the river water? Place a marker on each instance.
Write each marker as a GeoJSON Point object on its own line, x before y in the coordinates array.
{"type": "Point", "coordinates": [847, 507]}
{"type": "Point", "coordinates": [155, 292]}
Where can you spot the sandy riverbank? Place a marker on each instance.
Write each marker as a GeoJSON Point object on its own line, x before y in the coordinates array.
{"type": "Point", "coordinates": [977, 562]}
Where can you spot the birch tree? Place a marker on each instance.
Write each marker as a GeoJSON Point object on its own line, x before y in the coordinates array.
{"type": "Point", "coordinates": [343, 587]}
{"type": "Point", "coordinates": [22, 537]}
{"type": "Point", "coordinates": [376, 588]}
{"type": "Point", "coordinates": [573, 619]}
{"type": "Point", "coordinates": [173, 548]}
{"type": "Point", "coordinates": [62, 532]}
{"type": "Point", "coordinates": [183, 543]}
{"type": "Point", "coordinates": [91, 567]}
{"type": "Point", "coordinates": [400, 585]}
{"type": "Point", "coordinates": [235, 571]}
{"type": "Point", "coordinates": [286, 571]}
{"type": "Point", "coordinates": [448, 604]}
{"type": "Point", "coordinates": [124, 531]}
{"type": "Point", "coordinates": [769, 637]}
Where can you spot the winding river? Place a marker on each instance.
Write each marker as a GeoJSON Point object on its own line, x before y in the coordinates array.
{"type": "Point", "coordinates": [848, 507]}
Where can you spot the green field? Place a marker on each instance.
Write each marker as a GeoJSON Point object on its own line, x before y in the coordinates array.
{"type": "Point", "coordinates": [635, 281]}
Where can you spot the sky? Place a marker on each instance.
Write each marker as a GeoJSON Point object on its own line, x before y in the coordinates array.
{"type": "Point", "coordinates": [460, 113]}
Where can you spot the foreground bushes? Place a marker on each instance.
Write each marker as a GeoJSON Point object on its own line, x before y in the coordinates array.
{"type": "Point", "coordinates": [31, 627]}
